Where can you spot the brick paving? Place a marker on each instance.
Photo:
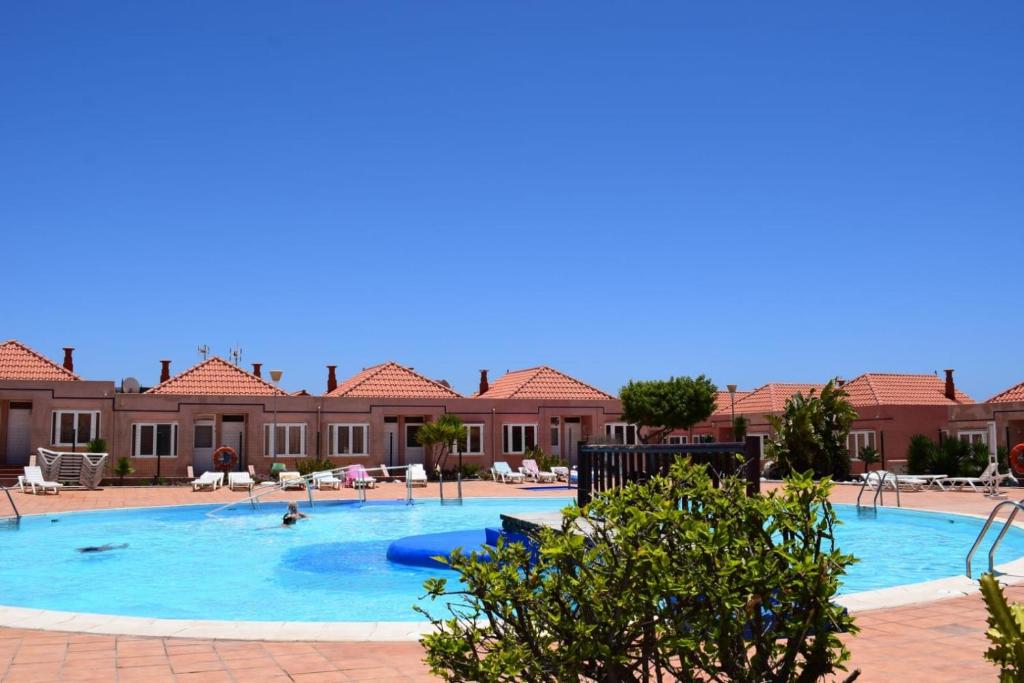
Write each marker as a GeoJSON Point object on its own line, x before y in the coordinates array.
{"type": "Point", "coordinates": [936, 642]}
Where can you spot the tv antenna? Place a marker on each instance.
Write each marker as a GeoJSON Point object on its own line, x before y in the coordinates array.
{"type": "Point", "coordinates": [203, 350]}
{"type": "Point", "coordinates": [236, 354]}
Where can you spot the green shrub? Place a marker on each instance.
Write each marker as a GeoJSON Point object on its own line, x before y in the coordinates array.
{"type": "Point", "coordinates": [313, 464]}
{"type": "Point", "coordinates": [1005, 631]}
{"type": "Point", "coordinates": [544, 461]}
{"type": "Point", "coordinates": [811, 432]}
{"type": "Point", "coordinates": [920, 454]}
{"type": "Point", "coordinates": [869, 456]}
{"type": "Point", "coordinates": [739, 428]}
{"type": "Point", "coordinates": [96, 446]}
{"type": "Point", "coordinates": [729, 587]}
{"type": "Point", "coordinates": [123, 468]}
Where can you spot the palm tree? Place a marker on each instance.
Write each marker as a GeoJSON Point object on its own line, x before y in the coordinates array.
{"type": "Point", "coordinates": [439, 436]}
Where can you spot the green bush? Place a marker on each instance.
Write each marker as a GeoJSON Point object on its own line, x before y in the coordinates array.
{"type": "Point", "coordinates": [869, 456]}
{"type": "Point", "coordinates": [313, 464]}
{"type": "Point", "coordinates": [729, 587]}
{"type": "Point", "coordinates": [96, 446]}
{"type": "Point", "coordinates": [468, 471]}
{"type": "Point", "coordinates": [123, 468]}
{"type": "Point", "coordinates": [1005, 631]}
{"type": "Point", "coordinates": [811, 432]}
{"type": "Point", "coordinates": [920, 454]}
{"type": "Point", "coordinates": [544, 461]}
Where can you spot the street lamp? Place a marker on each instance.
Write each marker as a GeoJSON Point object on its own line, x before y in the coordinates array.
{"type": "Point", "coordinates": [275, 375]}
{"type": "Point", "coordinates": [732, 401]}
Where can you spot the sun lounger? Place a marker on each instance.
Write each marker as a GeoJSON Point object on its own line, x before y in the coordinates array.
{"type": "Point", "coordinates": [211, 480]}
{"type": "Point", "coordinates": [530, 470]}
{"type": "Point", "coordinates": [357, 477]}
{"type": "Point", "coordinates": [33, 480]}
{"type": "Point", "coordinates": [325, 480]}
{"type": "Point", "coordinates": [561, 472]}
{"type": "Point", "coordinates": [240, 480]}
{"type": "Point", "coordinates": [502, 472]}
{"type": "Point", "coordinates": [990, 478]}
{"type": "Point", "coordinates": [291, 480]}
{"type": "Point", "coordinates": [417, 474]}
{"type": "Point", "coordinates": [884, 478]}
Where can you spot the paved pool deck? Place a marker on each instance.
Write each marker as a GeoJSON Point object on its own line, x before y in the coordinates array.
{"type": "Point", "coordinates": [940, 640]}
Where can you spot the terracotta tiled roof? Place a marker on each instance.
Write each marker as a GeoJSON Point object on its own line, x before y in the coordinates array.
{"type": "Point", "coordinates": [391, 380]}
{"type": "Point", "coordinates": [897, 389]}
{"type": "Point", "coordinates": [723, 403]}
{"type": "Point", "coordinates": [216, 377]}
{"type": "Point", "coordinates": [1012, 395]}
{"type": "Point", "coordinates": [542, 382]}
{"type": "Point", "coordinates": [19, 362]}
{"type": "Point", "coordinates": [771, 398]}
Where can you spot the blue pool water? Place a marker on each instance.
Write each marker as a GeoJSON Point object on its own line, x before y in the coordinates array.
{"type": "Point", "coordinates": [180, 563]}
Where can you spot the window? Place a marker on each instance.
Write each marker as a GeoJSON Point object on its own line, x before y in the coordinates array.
{"type": "Point", "coordinates": [677, 440]}
{"type": "Point", "coordinates": [73, 427]}
{"type": "Point", "coordinates": [973, 436]}
{"type": "Point", "coordinates": [290, 439]}
{"type": "Point", "coordinates": [763, 440]}
{"type": "Point", "coordinates": [412, 432]}
{"type": "Point", "coordinates": [202, 436]}
{"type": "Point", "coordinates": [519, 438]}
{"type": "Point", "coordinates": [555, 424]}
{"type": "Point", "coordinates": [473, 444]}
{"type": "Point", "coordinates": [621, 432]}
{"type": "Point", "coordinates": [150, 439]}
{"type": "Point", "coordinates": [859, 440]}
{"type": "Point", "coordinates": [702, 438]}
{"type": "Point", "coordinates": [349, 439]}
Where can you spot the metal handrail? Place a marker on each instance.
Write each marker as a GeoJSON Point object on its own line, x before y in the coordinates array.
{"type": "Point", "coordinates": [1017, 507]}
{"type": "Point", "coordinates": [17, 515]}
{"type": "Point", "coordinates": [879, 497]}
{"type": "Point", "coordinates": [253, 499]}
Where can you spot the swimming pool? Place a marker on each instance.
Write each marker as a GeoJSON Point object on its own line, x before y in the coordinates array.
{"type": "Point", "coordinates": [242, 565]}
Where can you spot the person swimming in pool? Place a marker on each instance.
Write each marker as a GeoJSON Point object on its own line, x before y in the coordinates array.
{"type": "Point", "coordinates": [102, 548]}
{"type": "Point", "coordinates": [293, 515]}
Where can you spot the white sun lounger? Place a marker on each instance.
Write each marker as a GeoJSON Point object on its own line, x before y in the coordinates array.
{"type": "Point", "coordinates": [291, 480]}
{"type": "Point", "coordinates": [326, 480]}
{"type": "Point", "coordinates": [990, 478]}
{"type": "Point", "coordinates": [211, 480]}
{"type": "Point", "coordinates": [502, 472]}
{"type": "Point", "coordinates": [417, 474]}
{"type": "Point", "coordinates": [33, 479]}
{"type": "Point", "coordinates": [240, 480]}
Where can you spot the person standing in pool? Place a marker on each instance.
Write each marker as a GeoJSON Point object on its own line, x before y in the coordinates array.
{"type": "Point", "coordinates": [293, 515]}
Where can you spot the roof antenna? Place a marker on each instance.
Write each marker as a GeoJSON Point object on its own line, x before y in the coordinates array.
{"type": "Point", "coordinates": [236, 354]}
{"type": "Point", "coordinates": [203, 350]}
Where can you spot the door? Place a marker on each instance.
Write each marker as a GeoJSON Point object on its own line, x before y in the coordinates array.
{"type": "Point", "coordinates": [203, 438]}
{"type": "Point", "coordinates": [573, 434]}
{"type": "Point", "coordinates": [390, 444]}
{"type": "Point", "coordinates": [414, 452]}
{"type": "Point", "coordinates": [232, 433]}
{"type": "Point", "coordinates": [19, 435]}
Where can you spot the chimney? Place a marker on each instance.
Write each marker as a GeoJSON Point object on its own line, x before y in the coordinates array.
{"type": "Point", "coordinates": [840, 382]}
{"type": "Point", "coordinates": [165, 371]}
{"type": "Point", "coordinates": [332, 379]}
{"type": "Point", "coordinates": [484, 386]}
{"type": "Point", "coordinates": [950, 387]}
{"type": "Point", "coordinates": [69, 362]}
{"type": "Point", "coordinates": [256, 368]}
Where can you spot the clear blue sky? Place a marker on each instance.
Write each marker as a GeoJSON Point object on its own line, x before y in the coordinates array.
{"type": "Point", "coordinates": [757, 191]}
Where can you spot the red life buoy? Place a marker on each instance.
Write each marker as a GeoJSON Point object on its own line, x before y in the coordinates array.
{"type": "Point", "coordinates": [1017, 459]}
{"type": "Point", "coordinates": [225, 459]}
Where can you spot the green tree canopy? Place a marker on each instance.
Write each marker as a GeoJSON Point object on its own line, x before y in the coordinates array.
{"type": "Point", "coordinates": [437, 438]}
{"type": "Point", "coordinates": [658, 407]}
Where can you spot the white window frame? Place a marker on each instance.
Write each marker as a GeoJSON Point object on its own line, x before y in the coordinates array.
{"type": "Point", "coordinates": [678, 440]}
{"type": "Point", "coordinates": [702, 438]}
{"type": "Point", "coordinates": [335, 430]}
{"type": "Point", "coordinates": [94, 426]}
{"type": "Point", "coordinates": [762, 438]}
{"type": "Point", "coordinates": [477, 426]}
{"type": "Point", "coordinates": [973, 435]}
{"type": "Point", "coordinates": [610, 427]}
{"type": "Point", "coordinates": [137, 435]}
{"type": "Point", "coordinates": [269, 435]}
{"type": "Point", "coordinates": [868, 437]}
{"type": "Point", "coordinates": [507, 440]}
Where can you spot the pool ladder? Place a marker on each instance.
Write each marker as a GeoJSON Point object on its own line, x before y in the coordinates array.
{"type": "Point", "coordinates": [15, 519]}
{"type": "Point", "coordinates": [879, 497]}
{"type": "Point", "coordinates": [1017, 507]}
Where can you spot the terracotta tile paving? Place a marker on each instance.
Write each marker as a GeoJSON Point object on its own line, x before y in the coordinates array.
{"type": "Point", "coordinates": [939, 641]}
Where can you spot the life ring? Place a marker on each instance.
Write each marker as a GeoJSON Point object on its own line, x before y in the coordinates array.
{"type": "Point", "coordinates": [225, 459]}
{"type": "Point", "coordinates": [1017, 459]}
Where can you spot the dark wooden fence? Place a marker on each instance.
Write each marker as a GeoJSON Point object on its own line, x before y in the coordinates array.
{"type": "Point", "coordinates": [603, 466]}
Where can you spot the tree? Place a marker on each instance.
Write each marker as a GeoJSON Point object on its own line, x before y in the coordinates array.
{"type": "Point", "coordinates": [811, 432]}
{"type": "Point", "coordinates": [729, 587]}
{"type": "Point", "coordinates": [439, 436]}
{"type": "Point", "coordinates": [739, 428]}
{"type": "Point", "coordinates": [657, 407]}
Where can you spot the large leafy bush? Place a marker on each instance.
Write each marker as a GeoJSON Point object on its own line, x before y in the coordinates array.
{"type": "Point", "coordinates": [670, 579]}
{"type": "Point", "coordinates": [1005, 631]}
{"type": "Point", "coordinates": [811, 432]}
{"type": "Point", "coordinates": [658, 407]}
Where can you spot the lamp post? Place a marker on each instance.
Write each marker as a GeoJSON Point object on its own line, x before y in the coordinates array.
{"type": "Point", "coordinates": [275, 376]}
{"type": "Point", "coordinates": [732, 401]}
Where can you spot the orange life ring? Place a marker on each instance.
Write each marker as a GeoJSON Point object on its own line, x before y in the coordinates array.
{"type": "Point", "coordinates": [225, 459]}
{"type": "Point", "coordinates": [1017, 459]}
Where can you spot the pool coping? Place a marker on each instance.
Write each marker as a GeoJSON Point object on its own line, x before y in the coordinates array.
{"type": "Point", "coordinates": [1010, 573]}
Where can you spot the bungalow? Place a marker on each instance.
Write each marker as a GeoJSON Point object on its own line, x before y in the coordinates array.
{"type": "Point", "coordinates": [999, 421]}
